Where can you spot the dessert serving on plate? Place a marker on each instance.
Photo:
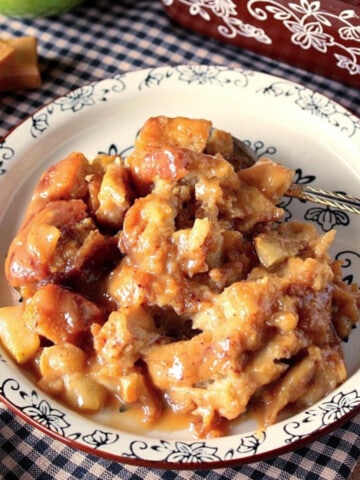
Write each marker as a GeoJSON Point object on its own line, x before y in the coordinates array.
{"type": "Point", "coordinates": [93, 267]}
{"type": "Point", "coordinates": [165, 282]}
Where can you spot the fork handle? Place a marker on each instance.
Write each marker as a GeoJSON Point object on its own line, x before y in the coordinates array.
{"type": "Point", "coordinates": [337, 200]}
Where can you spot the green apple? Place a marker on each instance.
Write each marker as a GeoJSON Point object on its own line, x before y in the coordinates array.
{"type": "Point", "coordinates": [35, 8]}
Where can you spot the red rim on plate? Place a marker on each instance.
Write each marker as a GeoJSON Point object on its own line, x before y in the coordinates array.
{"type": "Point", "coordinates": [277, 117]}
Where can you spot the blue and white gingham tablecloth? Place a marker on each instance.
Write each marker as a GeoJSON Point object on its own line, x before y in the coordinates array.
{"type": "Point", "coordinates": [97, 40]}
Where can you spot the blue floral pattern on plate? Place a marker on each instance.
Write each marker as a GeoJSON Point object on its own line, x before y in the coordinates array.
{"type": "Point", "coordinates": [105, 99]}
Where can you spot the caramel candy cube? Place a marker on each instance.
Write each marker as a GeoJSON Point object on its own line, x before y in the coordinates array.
{"type": "Point", "coordinates": [21, 70]}
{"type": "Point", "coordinates": [7, 55]}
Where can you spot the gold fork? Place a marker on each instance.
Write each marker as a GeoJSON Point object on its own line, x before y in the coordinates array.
{"type": "Point", "coordinates": [245, 157]}
{"type": "Point", "coordinates": [338, 200]}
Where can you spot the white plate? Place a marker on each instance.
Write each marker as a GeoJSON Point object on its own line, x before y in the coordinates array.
{"type": "Point", "coordinates": [290, 123]}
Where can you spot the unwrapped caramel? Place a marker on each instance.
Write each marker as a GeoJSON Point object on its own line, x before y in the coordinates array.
{"type": "Point", "coordinates": [7, 54]}
{"type": "Point", "coordinates": [19, 68]}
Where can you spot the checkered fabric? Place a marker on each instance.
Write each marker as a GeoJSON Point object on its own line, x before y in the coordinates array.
{"type": "Point", "coordinates": [100, 39]}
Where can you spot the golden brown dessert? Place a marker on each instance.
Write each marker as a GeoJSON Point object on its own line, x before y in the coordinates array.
{"type": "Point", "coordinates": [166, 281]}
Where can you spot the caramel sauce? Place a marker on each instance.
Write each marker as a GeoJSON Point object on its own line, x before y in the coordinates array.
{"type": "Point", "coordinates": [131, 420]}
